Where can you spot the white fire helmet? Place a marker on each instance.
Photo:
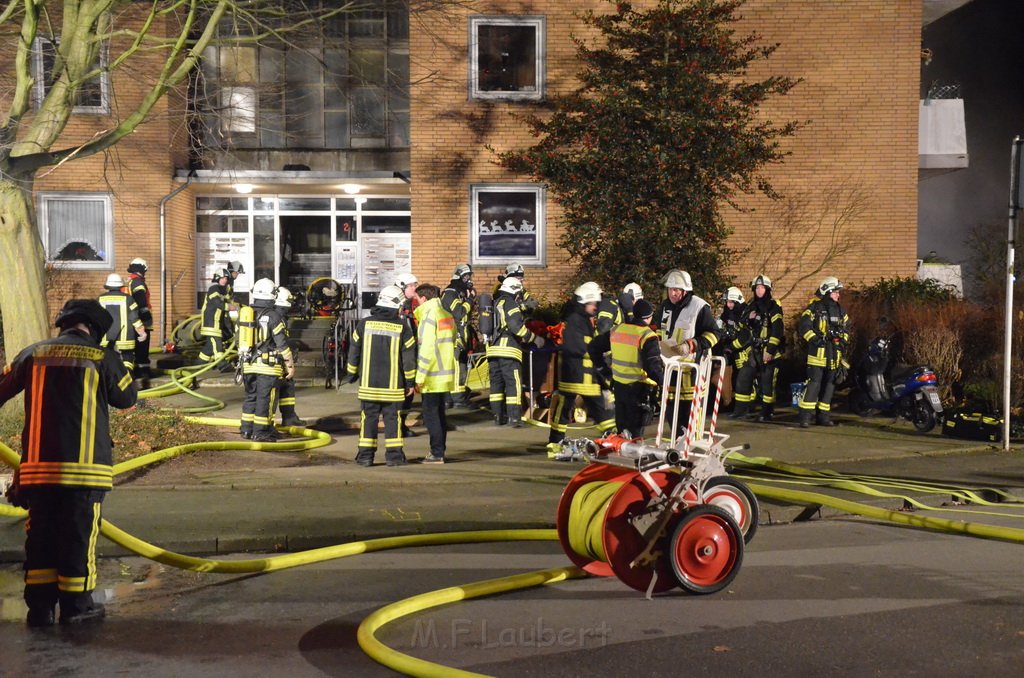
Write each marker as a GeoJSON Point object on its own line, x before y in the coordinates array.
{"type": "Point", "coordinates": [403, 280]}
{"type": "Point", "coordinates": [391, 296]}
{"type": "Point", "coordinates": [512, 285]}
{"type": "Point", "coordinates": [762, 279]}
{"type": "Point", "coordinates": [678, 280]}
{"type": "Point", "coordinates": [829, 285]}
{"type": "Point", "coordinates": [114, 282]}
{"type": "Point", "coordinates": [635, 290]}
{"type": "Point", "coordinates": [734, 294]}
{"type": "Point", "coordinates": [284, 298]}
{"type": "Point", "coordinates": [264, 289]}
{"type": "Point", "coordinates": [588, 293]}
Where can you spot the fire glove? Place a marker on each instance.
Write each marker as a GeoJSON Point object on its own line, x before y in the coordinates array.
{"type": "Point", "coordinates": [688, 348]}
{"type": "Point", "coordinates": [353, 379]}
{"type": "Point", "coordinates": [538, 341]}
{"type": "Point", "coordinates": [14, 495]}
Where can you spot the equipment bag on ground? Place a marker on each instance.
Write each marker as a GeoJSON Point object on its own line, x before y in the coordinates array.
{"type": "Point", "coordinates": [973, 426]}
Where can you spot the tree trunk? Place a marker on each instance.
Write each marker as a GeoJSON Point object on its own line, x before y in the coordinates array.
{"type": "Point", "coordinates": [22, 269]}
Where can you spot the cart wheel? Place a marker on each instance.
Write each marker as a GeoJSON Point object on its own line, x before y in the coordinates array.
{"type": "Point", "coordinates": [737, 499]}
{"type": "Point", "coordinates": [706, 550]}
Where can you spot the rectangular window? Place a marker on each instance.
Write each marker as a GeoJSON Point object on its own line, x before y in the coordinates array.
{"type": "Point", "coordinates": [77, 229]}
{"type": "Point", "coordinates": [506, 57]}
{"type": "Point", "coordinates": [93, 94]}
{"type": "Point", "coordinates": [507, 224]}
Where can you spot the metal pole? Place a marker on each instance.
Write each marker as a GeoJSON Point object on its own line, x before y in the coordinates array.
{"type": "Point", "coordinates": [163, 253]}
{"type": "Point", "coordinates": [1010, 237]}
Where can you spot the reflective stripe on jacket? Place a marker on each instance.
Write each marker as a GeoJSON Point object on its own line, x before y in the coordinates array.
{"type": "Point", "coordinates": [68, 382]}
{"type": "Point", "coordinates": [383, 354]}
{"type": "Point", "coordinates": [626, 342]}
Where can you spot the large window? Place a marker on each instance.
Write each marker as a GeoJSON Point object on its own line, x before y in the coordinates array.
{"type": "Point", "coordinates": [506, 57]}
{"type": "Point", "coordinates": [77, 229]}
{"type": "Point", "coordinates": [342, 84]}
{"type": "Point", "coordinates": [507, 224]}
{"type": "Point", "coordinates": [92, 96]}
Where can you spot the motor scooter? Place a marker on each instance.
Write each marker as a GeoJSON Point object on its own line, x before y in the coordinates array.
{"type": "Point", "coordinates": [912, 394]}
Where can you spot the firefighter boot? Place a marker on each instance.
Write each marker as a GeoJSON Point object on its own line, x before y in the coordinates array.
{"type": "Point", "coordinates": [767, 413]}
{"type": "Point", "coordinates": [515, 416]}
{"type": "Point", "coordinates": [39, 617]}
{"type": "Point", "coordinates": [824, 419]}
{"type": "Point", "coordinates": [289, 418]}
{"type": "Point", "coordinates": [805, 418]}
{"type": "Point", "coordinates": [740, 410]}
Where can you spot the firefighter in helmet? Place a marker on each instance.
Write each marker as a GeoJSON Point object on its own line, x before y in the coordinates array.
{"type": "Point", "coordinates": [268, 360]}
{"type": "Point", "coordinates": [382, 359]}
{"type": "Point", "coordinates": [457, 299]}
{"type": "Point", "coordinates": [766, 342]}
{"type": "Point", "coordinates": [286, 386]}
{"type": "Point", "coordinates": [505, 353]}
{"type": "Point", "coordinates": [686, 322]}
{"type": "Point", "coordinates": [407, 282]}
{"type": "Point", "coordinates": [66, 463]}
{"type": "Point", "coordinates": [576, 373]}
{"type": "Point", "coordinates": [216, 326]}
{"type": "Point", "coordinates": [612, 311]}
{"type": "Point", "coordinates": [139, 289]}
{"type": "Point", "coordinates": [824, 326]}
{"type": "Point", "coordinates": [126, 326]}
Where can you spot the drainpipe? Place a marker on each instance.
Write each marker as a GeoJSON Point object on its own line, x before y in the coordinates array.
{"type": "Point", "coordinates": [163, 251]}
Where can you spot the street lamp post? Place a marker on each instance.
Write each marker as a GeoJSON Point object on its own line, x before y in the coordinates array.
{"type": "Point", "coordinates": [1010, 278]}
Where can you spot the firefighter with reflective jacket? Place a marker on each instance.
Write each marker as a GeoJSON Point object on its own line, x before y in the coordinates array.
{"type": "Point", "coordinates": [823, 325]}
{"type": "Point", "coordinates": [126, 323]}
{"type": "Point", "coordinates": [286, 386]}
{"type": "Point", "coordinates": [612, 311]}
{"type": "Point", "coordinates": [457, 299]}
{"type": "Point", "coordinates": [505, 353]}
{"type": "Point", "coordinates": [66, 464]}
{"type": "Point", "coordinates": [382, 358]}
{"type": "Point", "coordinates": [139, 290]}
{"type": "Point", "coordinates": [268, 360]}
{"type": "Point", "coordinates": [636, 362]}
{"type": "Point", "coordinates": [760, 359]}
{"type": "Point", "coordinates": [686, 322]}
{"type": "Point", "coordinates": [732, 338]}
{"type": "Point", "coordinates": [435, 366]}
{"type": "Point", "coordinates": [234, 269]}
{"type": "Point", "coordinates": [515, 270]}
{"type": "Point", "coordinates": [407, 282]}
{"type": "Point", "coordinates": [576, 373]}
{"type": "Point", "coordinates": [216, 326]}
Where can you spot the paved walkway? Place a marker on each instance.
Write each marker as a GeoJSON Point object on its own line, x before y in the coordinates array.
{"type": "Point", "coordinates": [496, 478]}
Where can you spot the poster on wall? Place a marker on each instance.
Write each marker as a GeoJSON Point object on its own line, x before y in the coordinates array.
{"type": "Point", "coordinates": [508, 225]}
{"type": "Point", "coordinates": [214, 250]}
{"type": "Point", "coordinates": [346, 262]}
{"type": "Point", "coordinates": [384, 256]}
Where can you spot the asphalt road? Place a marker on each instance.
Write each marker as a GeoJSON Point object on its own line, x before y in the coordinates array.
{"type": "Point", "coordinates": [838, 597]}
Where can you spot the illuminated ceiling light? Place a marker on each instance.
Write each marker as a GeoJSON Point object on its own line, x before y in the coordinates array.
{"type": "Point", "coordinates": [351, 189]}
{"type": "Point", "coordinates": [243, 188]}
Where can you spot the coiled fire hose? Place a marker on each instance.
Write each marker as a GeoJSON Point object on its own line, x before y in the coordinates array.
{"type": "Point", "coordinates": [582, 527]}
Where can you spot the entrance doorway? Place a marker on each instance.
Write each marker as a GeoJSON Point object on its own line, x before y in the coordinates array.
{"type": "Point", "coordinates": [305, 250]}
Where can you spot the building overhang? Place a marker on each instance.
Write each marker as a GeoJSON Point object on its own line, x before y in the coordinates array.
{"type": "Point", "coordinates": [295, 182]}
{"type": "Point", "coordinates": [933, 10]}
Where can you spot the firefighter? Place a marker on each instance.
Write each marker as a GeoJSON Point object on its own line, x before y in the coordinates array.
{"type": "Point", "coordinates": [66, 464]}
{"type": "Point", "coordinates": [435, 366]}
{"type": "Point", "coordinates": [269, 360]}
{"type": "Point", "coordinates": [733, 340]}
{"type": "Point", "coordinates": [407, 282]}
{"type": "Point", "coordinates": [612, 311]}
{"type": "Point", "coordinates": [515, 270]}
{"type": "Point", "coordinates": [636, 358]}
{"type": "Point", "coordinates": [234, 269]}
{"type": "Point", "coordinates": [505, 353]}
{"type": "Point", "coordinates": [823, 325]}
{"type": "Point", "coordinates": [576, 373]}
{"type": "Point", "coordinates": [126, 323]}
{"type": "Point", "coordinates": [286, 386]}
{"type": "Point", "coordinates": [139, 290]}
{"type": "Point", "coordinates": [216, 327]}
{"type": "Point", "coordinates": [457, 299]}
{"type": "Point", "coordinates": [382, 358]}
{"type": "Point", "coordinates": [685, 320]}
{"type": "Point", "coordinates": [766, 342]}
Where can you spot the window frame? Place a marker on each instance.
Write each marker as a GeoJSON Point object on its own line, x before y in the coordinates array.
{"type": "Point", "coordinates": [44, 198]}
{"type": "Point", "coordinates": [539, 23]}
{"type": "Point", "coordinates": [540, 201]}
{"type": "Point", "coordinates": [39, 74]}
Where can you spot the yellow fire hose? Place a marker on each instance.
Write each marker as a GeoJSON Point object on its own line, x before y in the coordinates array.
{"type": "Point", "coordinates": [780, 473]}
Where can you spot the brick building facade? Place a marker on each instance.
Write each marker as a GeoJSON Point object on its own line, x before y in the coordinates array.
{"type": "Point", "coordinates": [402, 185]}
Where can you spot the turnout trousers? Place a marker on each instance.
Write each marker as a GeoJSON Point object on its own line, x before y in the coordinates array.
{"type": "Point", "coordinates": [506, 387]}
{"type": "Point", "coordinates": [60, 548]}
{"type": "Point", "coordinates": [372, 412]}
